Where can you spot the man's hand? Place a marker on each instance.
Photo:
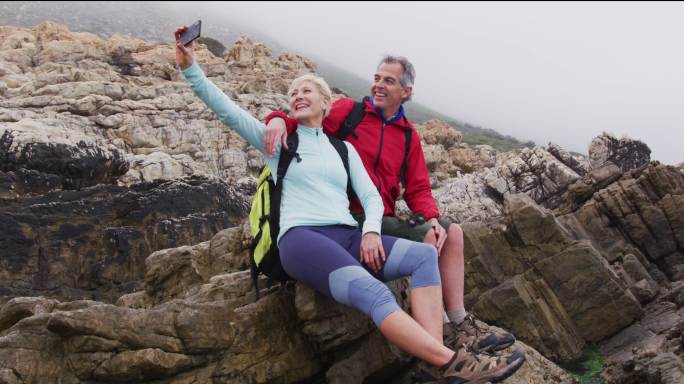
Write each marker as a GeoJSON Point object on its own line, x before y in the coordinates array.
{"type": "Point", "coordinates": [440, 234]}
{"type": "Point", "coordinates": [372, 252]}
{"type": "Point", "coordinates": [184, 54]}
{"type": "Point", "coordinates": [275, 131]}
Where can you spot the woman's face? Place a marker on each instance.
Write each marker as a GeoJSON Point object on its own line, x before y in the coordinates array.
{"type": "Point", "coordinates": [307, 102]}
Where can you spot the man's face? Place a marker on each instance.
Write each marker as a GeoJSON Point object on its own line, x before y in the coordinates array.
{"type": "Point", "coordinates": [386, 90]}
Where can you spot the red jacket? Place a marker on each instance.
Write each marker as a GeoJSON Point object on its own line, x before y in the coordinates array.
{"type": "Point", "coordinates": [387, 150]}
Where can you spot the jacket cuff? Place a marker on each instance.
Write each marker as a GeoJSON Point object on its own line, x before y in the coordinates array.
{"type": "Point", "coordinates": [275, 114]}
{"type": "Point", "coordinates": [369, 226]}
{"type": "Point", "coordinates": [191, 71]}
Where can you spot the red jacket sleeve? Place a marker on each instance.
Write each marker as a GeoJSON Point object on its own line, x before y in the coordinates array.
{"type": "Point", "coordinates": [290, 123]}
{"type": "Point", "coordinates": [417, 193]}
{"type": "Point", "coordinates": [338, 112]}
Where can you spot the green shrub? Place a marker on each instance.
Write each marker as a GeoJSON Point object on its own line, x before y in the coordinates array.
{"type": "Point", "coordinates": [587, 369]}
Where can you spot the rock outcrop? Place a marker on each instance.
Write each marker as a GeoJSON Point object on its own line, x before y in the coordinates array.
{"type": "Point", "coordinates": [624, 152]}
{"type": "Point", "coordinates": [635, 222]}
{"type": "Point", "coordinates": [439, 140]}
{"type": "Point", "coordinates": [578, 164]}
{"type": "Point", "coordinates": [536, 173]}
{"type": "Point", "coordinates": [89, 131]}
{"type": "Point", "coordinates": [604, 268]}
{"type": "Point", "coordinates": [51, 151]}
{"type": "Point", "coordinates": [93, 243]}
{"type": "Point", "coordinates": [123, 100]}
{"type": "Point", "coordinates": [552, 291]}
{"type": "Point", "coordinates": [196, 321]}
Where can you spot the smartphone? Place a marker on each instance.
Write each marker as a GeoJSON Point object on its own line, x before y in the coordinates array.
{"type": "Point", "coordinates": [191, 33]}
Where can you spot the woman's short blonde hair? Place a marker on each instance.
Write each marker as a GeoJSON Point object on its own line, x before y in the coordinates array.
{"type": "Point", "coordinates": [322, 86]}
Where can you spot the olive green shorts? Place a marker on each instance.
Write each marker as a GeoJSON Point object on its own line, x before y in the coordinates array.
{"type": "Point", "coordinates": [405, 229]}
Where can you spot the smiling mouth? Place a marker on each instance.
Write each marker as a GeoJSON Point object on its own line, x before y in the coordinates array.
{"type": "Point", "coordinates": [300, 106]}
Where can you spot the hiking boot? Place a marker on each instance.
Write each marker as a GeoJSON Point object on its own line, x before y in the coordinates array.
{"type": "Point", "coordinates": [467, 366]}
{"type": "Point", "coordinates": [468, 333]}
{"type": "Point", "coordinates": [473, 368]}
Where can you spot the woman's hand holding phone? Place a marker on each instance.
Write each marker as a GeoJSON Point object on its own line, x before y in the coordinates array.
{"type": "Point", "coordinates": [184, 53]}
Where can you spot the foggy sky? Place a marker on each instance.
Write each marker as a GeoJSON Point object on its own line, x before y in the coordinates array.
{"type": "Point", "coordinates": [559, 72]}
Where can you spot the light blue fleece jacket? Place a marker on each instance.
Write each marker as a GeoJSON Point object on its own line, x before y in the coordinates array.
{"type": "Point", "coordinates": [315, 189]}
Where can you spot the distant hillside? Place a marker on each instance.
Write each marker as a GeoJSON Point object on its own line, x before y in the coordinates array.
{"type": "Point", "coordinates": [155, 21]}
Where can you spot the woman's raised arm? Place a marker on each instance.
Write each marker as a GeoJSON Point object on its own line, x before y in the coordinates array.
{"type": "Point", "coordinates": [226, 110]}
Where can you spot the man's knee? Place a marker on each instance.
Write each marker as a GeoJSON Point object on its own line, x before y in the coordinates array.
{"type": "Point", "coordinates": [455, 233]}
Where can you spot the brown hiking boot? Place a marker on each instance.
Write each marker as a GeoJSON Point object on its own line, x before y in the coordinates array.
{"type": "Point", "coordinates": [468, 333]}
{"type": "Point", "coordinates": [472, 368]}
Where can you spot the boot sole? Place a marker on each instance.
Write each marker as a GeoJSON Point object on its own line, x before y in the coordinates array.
{"type": "Point", "coordinates": [493, 347]}
{"type": "Point", "coordinates": [510, 371]}
{"type": "Point", "coordinates": [501, 347]}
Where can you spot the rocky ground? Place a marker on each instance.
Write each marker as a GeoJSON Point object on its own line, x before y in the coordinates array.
{"type": "Point", "coordinates": [123, 245]}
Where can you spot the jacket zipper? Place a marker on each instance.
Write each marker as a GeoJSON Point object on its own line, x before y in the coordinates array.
{"type": "Point", "coordinates": [377, 159]}
{"type": "Point", "coordinates": [326, 163]}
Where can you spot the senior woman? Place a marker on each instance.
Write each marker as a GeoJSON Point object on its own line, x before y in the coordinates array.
{"type": "Point", "coordinates": [319, 242]}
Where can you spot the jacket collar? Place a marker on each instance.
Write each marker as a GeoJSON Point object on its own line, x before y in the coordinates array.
{"type": "Point", "coordinates": [398, 119]}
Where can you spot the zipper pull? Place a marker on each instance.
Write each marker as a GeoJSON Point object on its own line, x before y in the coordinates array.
{"type": "Point", "coordinates": [317, 133]}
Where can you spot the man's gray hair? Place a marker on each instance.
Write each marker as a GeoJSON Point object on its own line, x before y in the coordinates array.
{"type": "Point", "coordinates": [409, 75]}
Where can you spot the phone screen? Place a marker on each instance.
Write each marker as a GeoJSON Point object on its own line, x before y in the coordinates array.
{"type": "Point", "coordinates": [191, 33]}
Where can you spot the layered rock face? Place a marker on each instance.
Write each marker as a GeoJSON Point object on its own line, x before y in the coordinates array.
{"type": "Point", "coordinates": [75, 96]}
{"type": "Point", "coordinates": [603, 268]}
{"type": "Point", "coordinates": [122, 223]}
{"type": "Point", "coordinates": [89, 129]}
{"type": "Point", "coordinates": [92, 243]}
{"type": "Point", "coordinates": [196, 321]}
{"type": "Point", "coordinates": [635, 224]}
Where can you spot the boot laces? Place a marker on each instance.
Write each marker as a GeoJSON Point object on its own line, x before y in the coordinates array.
{"type": "Point", "coordinates": [470, 349]}
{"type": "Point", "coordinates": [478, 331]}
{"type": "Point", "coordinates": [471, 320]}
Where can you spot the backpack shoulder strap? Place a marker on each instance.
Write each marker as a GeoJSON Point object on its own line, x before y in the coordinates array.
{"type": "Point", "coordinates": [284, 161]}
{"type": "Point", "coordinates": [343, 151]}
{"type": "Point", "coordinates": [286, 157]}
{"type": "Point", "coordinates": [408, 134]}
{"type": "Point", "coordinates": [353, 119]}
